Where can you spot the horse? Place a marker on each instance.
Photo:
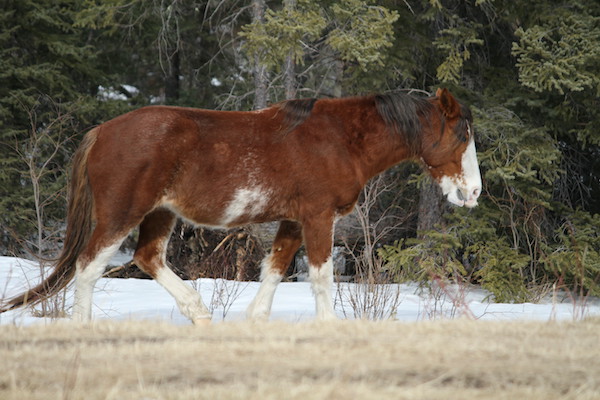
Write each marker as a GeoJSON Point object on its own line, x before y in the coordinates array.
{"type": "Point", "coordinates": [300, 162]}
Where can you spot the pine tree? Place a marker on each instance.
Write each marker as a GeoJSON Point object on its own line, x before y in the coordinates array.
{"type": "Point", "coordinates": [325, 42]}
{"type": "Point", "coordinates": [529, 70]}
{"type": "Point", "coordinates": [45, 72]}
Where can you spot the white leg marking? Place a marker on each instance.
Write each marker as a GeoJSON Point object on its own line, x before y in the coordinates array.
{"type": "Point", "coordinates": [321, 279]}
{"type": "Point", "coordinates": [188, 300]}
{"type": "Point", "coordinates": [85, 280]}
{"type": "Point", "coordinates": [248, 202]}
{"type": "Point", "coordinates": [260, 308]}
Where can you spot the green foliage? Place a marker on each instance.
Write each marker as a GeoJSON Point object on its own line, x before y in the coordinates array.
{"type": "Point", "coordinates": [518, 160]}
{"type": "Point", "coordinates": [102, 15]}
{"type": "Point", "coordinates": [284, 32]}
{"type": "Point", "coordinates": [423, 259]}
{"type": "Point", "coordinates": [561, 54]}
{"type": "Point", "coordinates": [332, 38]}
{"type": "Point", "coordinates": [40, 53]}
{"type": "Point", "coordinates": [575, 259]}
{"type": "Point", "coordinates": [470, 249]}
{"type": "Point", "coordinates": [361, 31]}
{"type": "Point", "coordinates": [530, 72]}
{"type": "Point", "coordinates": [488, 255]}
{"type": "Point", "coordinates": [454, 43]}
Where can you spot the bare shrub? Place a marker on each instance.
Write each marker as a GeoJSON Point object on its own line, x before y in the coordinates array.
{"type": "Point", "coordinates": [53, 307]}
{"type": "Point", "coordinates": [224, 294]}
{"type": "Point", "coordinates": [41, 154]}
{"type": "Point", "coordinates": [372, 296]}
{"type": "Point", "coordinates": [445, 300]}
{"type": "Point", "coordinates": [204, 253]}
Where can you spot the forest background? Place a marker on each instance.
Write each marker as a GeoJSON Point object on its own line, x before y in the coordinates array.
{"type": "Point", "coordinates": [529, 70]}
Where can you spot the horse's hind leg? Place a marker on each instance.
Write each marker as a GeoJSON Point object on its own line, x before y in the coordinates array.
{"type": "Point", "coordinates": [90, 265]}
{"type": "Point", "coordinates": [150, 256]}
{"type": "Point", "coordinates": [287, 241]}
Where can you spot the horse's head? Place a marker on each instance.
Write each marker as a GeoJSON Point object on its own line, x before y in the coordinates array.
{"type": "Point", "coordinates": [448, 150]}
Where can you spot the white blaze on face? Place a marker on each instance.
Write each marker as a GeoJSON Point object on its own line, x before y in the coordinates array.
{"type": "Point", "coordinates": [464, 189]}
{"type": "Point", "coordinates": [248, 202]}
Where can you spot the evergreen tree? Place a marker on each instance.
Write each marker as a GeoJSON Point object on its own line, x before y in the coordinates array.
{"type": "Point", "coordinates": [327, 42]}
{"type": "Point", "coordinates": [46, 71]}
{"type": "Point", "coordinates": [530, 71]}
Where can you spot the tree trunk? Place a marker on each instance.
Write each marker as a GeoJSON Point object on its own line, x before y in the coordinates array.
{"type": "Point", "coordinates": [172, 84]}
{"type": "Point", "coordinates": [332, 80]}
{"type": "Point", "coordinates": [339, 73]}
{"type": "Point", "coordinates": [431, 204]}
{"type": "Point", "coordinates": [289, 67]}
{"type": "Point", "coordinates": [260, 71]}
{"type": "Point", "coordinates": [290, 77]}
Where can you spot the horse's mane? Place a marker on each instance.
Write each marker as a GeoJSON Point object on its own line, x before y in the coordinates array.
{"type": "Point", "coordinates": [461, 126]}
{"type": "Point", "coordinates": [295, 112]}
{"type": "Point", "coordinates": [401, 113]}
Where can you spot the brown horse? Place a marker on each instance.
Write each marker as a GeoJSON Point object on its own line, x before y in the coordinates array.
{"type": "Point", "coordinates": [301, 162]}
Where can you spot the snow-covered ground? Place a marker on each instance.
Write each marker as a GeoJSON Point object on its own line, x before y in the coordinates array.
{"type": "Point", "coordinates": [144, 299]}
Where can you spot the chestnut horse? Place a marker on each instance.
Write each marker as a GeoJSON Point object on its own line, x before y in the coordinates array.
{"type": "Point", "coordinates": [300, 162]}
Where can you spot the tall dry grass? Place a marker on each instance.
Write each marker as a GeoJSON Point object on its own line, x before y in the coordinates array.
{"type": "Point", "coordinates": [456, 359]}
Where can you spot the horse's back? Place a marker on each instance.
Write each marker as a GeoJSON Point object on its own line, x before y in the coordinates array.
{"type": "Point", "coordinates": [192, 160]}
{"type": "Point", "coordinates": [221, 167]}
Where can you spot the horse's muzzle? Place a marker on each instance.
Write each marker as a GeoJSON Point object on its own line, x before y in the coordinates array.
{"type": "Point", "coordinates": [469, 197]}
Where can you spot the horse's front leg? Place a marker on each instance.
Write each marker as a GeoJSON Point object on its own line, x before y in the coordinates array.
{"type": "Point", "coordinates": [286, 243]}
{"type": "Point", "coordinates": [318, 239]}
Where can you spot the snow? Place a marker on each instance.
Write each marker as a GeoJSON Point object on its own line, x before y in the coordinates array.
{"type": "Point", "coordinates": [138, 299]}
{"type": "Point", "coordinates": [111, 93]}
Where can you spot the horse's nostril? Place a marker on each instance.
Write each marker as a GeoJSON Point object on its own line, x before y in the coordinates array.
{"type": "Point", "coordinates": [459, 194]}
{"type": "Point", "coordinates": [476, 192]}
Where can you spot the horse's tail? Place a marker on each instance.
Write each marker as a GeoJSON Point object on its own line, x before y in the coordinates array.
{"type": "Point", "coordinates": [79, 229]}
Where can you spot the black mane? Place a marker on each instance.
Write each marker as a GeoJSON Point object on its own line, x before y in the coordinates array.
{"type": "Point", "coordinates": [295, 112]}
{"type": "Point", "coordinates": [461, 127]}
{"type": "Point", "coordinates": [401, 113]}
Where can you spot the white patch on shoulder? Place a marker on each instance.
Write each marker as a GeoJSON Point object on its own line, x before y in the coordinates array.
{"type": "Point", "coordinates": [248, 202]}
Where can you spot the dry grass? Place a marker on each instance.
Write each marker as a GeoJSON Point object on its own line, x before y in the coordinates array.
{"type": "Point", "coordinates": [341, 360]}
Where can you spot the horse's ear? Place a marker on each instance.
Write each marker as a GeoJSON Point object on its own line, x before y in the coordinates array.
{"type": "Point", "coordinates": [448, 103]}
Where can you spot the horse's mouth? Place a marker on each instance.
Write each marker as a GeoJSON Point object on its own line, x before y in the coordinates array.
{"type": "Point", "coordinates": [460, 199]}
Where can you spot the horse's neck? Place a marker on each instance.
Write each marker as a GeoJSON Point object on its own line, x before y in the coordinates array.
{"type": "Point", "coordinates": [377, 149]}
